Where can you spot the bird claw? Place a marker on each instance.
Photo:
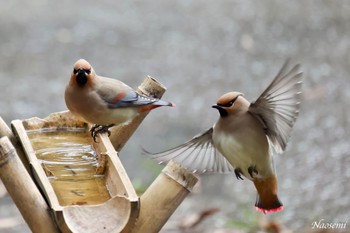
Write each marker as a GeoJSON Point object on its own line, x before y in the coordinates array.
{"type": "Point", "coordinates": [98, 129]}
{"type": "Point", "coordinates": [238, 173]}
{"type": "Point", "coordinates": [93, 129]}
{"type": "Point", "coordinates": [252, 170]}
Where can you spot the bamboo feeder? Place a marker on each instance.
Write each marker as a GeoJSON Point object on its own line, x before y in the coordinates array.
{"type": "Point", "coordinates": [84, 184]}
{"type": "Point", "coordinates": [79, 201]}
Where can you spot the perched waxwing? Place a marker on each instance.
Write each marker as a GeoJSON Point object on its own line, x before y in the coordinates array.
{"type": "Point", "coordinates": [246, 136]}
{"type": "Point", "coordinates": [103, 101]}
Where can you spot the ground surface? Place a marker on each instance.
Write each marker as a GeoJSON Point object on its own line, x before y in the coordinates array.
{"type": "Point", "coordinates": [198, 50]}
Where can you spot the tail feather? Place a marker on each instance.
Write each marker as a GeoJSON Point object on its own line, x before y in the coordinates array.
{"type": "Point", "coordinates": [157, 104]}
{"type": "Point", "coordinates": [267, 200]}
{"type": "Point", "coordinates": [163, 103]}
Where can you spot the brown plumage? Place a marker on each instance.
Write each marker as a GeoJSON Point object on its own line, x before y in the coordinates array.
{"type": "Point", "coordinates": [246, 136]}
{"type": "Point", "coordinates": [103, 101]}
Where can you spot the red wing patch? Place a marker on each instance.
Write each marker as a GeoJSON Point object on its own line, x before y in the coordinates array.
{"type": "Point", "coordinates": [119, 97]}
{"type": "Point", "coordinates": [148, 108]}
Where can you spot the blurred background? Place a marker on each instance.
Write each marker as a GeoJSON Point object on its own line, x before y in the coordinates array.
{"type": "Point", "coordinates": [198, 50]}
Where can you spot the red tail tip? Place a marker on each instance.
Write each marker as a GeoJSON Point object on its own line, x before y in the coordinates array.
{"type": "Point", "coordinates": [264, 211]}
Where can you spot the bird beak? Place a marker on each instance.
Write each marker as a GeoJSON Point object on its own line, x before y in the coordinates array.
{"type": "Point", "coordinates": [81, 77]}
{"type": "Point", "coordinates": [217, 107]}
{"type": "Point", "coordinates": [221, 109]}
{"type": "Point", "coordinates": [80, 72]}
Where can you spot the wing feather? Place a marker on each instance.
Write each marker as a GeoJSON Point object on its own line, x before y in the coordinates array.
{"type": "Point", "coordinates": [278, 106]}
{"type": "Point", "coordinates": [197, 155]}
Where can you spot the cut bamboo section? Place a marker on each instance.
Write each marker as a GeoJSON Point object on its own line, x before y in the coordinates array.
{"type": "Point", "coordinates": [116, 212]}
{"type": "Point", "coordinates": [23, 191]}
{"type": "Point", "coordinates": [5, 131]}
{"type": "Point", "coordinates": [163, 196]}
{"type": "Point", "coordinates": [120, 134]}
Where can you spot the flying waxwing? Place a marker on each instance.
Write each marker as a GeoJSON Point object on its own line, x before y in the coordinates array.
{"type": "Point", "coordinates": [246, 136]}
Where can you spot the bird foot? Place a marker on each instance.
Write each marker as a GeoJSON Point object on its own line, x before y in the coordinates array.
{"type": "Point", "coordinates": [238, 173]}
{"type": "Point", "coordinates": [252, 171]}
{"type": "Point", "coordinates": [98, 129]}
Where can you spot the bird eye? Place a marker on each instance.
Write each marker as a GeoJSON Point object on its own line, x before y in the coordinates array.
{"type": "Point", "coordinates": [88, 71]}
{"type": "Point", "coordinates": [229, 104]}
{"type": "Point", "coordinates": [75, 71]}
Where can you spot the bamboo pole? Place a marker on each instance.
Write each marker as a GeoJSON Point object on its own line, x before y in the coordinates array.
{"type": "Point", "coordinates": [120, 134]}
{"type": "Point", "coordinates": [5, 131]}
{"type": "Point", "coordinates": [162, 197]}
{"type": "Point", "coordinates": [23, 191]}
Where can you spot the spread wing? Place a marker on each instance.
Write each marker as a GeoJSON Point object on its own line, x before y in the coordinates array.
{"type": "Point", "coordinates": [278, 106]}
{"type": "Point", "coordinates": [197, 155]}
